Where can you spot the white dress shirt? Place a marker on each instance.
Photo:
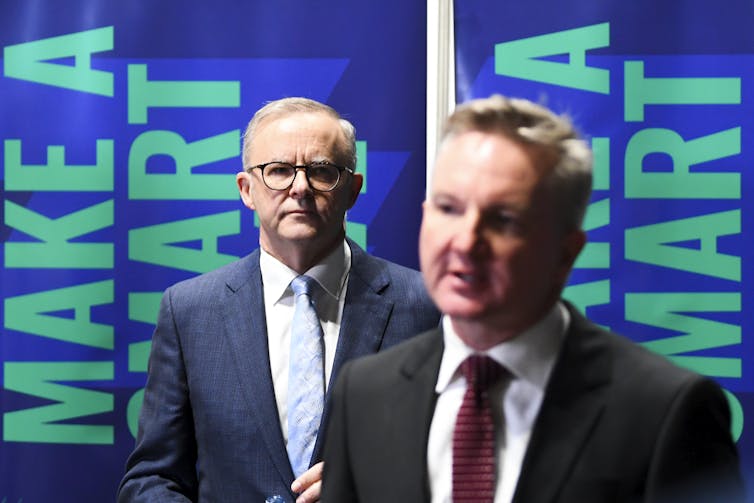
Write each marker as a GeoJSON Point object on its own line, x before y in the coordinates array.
{"type": "Point", "coordinates": [515, 402]}
{"type": "Point", "coordinates": [331, 275]}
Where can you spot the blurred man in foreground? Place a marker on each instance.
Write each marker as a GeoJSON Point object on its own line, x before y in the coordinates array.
{"type": "Point", "coordinates": [518, 397]}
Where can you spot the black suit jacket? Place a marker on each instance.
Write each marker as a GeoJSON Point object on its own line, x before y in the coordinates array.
{"type": "Point", "coordinates": [617, 424]}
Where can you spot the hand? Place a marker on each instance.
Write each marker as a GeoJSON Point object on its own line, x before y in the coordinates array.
{"type": "Point", "coordinates": [309, 484]}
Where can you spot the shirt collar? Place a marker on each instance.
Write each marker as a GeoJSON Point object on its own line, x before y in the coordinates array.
{"type": "Point", "coordinates": [331, 273]}
{"type": "Point", "coordinates": [529, 356]}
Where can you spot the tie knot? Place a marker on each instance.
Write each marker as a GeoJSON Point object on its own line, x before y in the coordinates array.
{"type": "Point", "coordinates": [303, 285]}
{"type": "Point", "coordinates": [481, 372]}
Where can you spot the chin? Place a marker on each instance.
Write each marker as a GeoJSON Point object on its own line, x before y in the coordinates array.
{"type": "Point", "coordinates": [300, 233]}
{"type": "Point", "coordinates": [462, 309]}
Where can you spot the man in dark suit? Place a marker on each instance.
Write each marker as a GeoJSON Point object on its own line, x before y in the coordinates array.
{"type": "Point", "coordinates": [216, 420]}
{"type": "Point", "coordinates": [518, 397]}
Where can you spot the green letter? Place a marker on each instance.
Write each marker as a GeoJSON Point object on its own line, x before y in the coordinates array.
{"type": "Point", "coordinates": [681, 183]}
{"type": "Point", "coordinates": [28, 61]}
{"type": "Point", "coordinates": [357, 232]}
{"type": "Point", "coordinates": [595, 255]}
{"type": "Point", "coordinates": [518, 58]}
{"type": "Point", "coordinates": [143, 94]}
{"type": "Point", "coordinates": [361, 163]}
{"type": "Point", "coordinates": [182, 184]}
{"type": "Point", "coordinates": [157, 244]}
{"type": "Point", "coordinates": [601, 163]}
{"type": "Point", "coordinates": [651, 244]}
{"type": "Point", "coordinates": [56, 250]}
{"type": "Point", "coordinates": [640, 91]}
{"type": "Point", "coordinates": [37, 424]}
{"type": "Point", "coordinates": [26, 313]}
{"type": "Point", "coordinates": [56, 175]}
{"type": "Point", "coordinates": [143, 307]}
{"type": "Point", "coordinates": [584, 295]}
{"type": "Point", "coordinates": [132, 411]}
{"type": "Point", "coordinates": [736, 415]}
{"type": "Point", "coordinates": [661, 310]}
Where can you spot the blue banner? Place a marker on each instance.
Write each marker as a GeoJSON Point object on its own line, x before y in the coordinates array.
{"type": "Point", "coordinates": [121, 126]}
{"type": "Point", "coordinates": [664, 94]}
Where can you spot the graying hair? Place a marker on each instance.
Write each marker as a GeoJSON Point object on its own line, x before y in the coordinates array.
{"type": "Point", "coordinates": [286, 106]}
{"type": "Point", "coordinates": [535, 126]}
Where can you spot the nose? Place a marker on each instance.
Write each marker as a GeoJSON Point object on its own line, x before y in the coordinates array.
{"type": "Point", "coordinates": [468, 238]}
{"type": "Point", "coordinates": [300, 186]}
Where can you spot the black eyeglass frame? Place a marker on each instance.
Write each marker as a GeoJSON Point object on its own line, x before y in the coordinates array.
{"type": "Point", "coordinates": [306, 168]}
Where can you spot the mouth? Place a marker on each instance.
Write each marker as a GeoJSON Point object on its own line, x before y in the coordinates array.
{"type": "Point", "coordinates": [301, 211]}
{"type": "Point", "coordinates": [470, 279]}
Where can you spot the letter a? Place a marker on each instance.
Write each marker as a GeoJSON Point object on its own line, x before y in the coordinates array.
{"type": "Point", "coordinates": [31, 61]}
{"type": "Point", "coordinates": [519, 58]}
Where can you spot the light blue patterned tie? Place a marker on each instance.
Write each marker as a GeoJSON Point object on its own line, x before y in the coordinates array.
{"type": "Point", "coordinates": [306, 378]}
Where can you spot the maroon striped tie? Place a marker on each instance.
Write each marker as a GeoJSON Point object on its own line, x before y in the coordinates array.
{"type": "Point", "coordinates": [474, 435]}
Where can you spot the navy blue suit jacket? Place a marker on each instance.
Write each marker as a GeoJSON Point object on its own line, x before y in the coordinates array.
{"type": "Point", "coordinates": [209, 427]}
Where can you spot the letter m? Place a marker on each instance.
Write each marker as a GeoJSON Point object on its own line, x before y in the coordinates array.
{"type": "Point", "coordinates": [52, 423]}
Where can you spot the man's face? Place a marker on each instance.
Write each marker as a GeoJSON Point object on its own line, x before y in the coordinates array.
{"type": "Point", "coordinates": [491, 247]}
{"type": "Point", "coordinates": [299, 217]}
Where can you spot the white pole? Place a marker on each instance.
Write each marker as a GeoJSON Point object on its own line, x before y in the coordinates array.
{"type": "Point", "coordinates": [440, 73]}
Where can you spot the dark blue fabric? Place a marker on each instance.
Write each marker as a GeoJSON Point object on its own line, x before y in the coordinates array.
{"type": "Point", "coordinates": [209, 428]}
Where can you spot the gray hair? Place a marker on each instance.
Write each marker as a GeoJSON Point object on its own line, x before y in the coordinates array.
{"type": "Point", "coordinates": [286, 106]}
{"type": "Point", "coordinates": [535, 126]}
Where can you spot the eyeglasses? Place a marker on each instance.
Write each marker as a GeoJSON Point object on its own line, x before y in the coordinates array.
{"type": "Point", "coordinates": [322, 176]}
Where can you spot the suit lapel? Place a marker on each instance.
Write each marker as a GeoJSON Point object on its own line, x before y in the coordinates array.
{"type": "Point", "coordinates": [365, 317]}
{"type": "Point", "coordinates": [573, 402]}
{"type": "Point", "coordinates": [365, 314]}
{"type": "Point", "coordinates": [246, 331]}
{"type": "Point", "coordinates": [414, 409]}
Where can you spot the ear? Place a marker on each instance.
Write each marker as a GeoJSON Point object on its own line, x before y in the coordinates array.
{"type": "Point", "coordinates": [357, 180]}
{"type": "Point", "coordinates": [573, 243]}
{"type": "Point", "coordinates": [244, 181]}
